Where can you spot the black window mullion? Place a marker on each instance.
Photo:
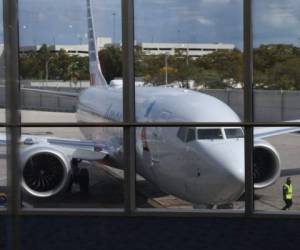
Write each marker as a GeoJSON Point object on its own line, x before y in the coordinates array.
{"type": "Point", "coordinates": [248, 106]}
{"type": "Point", "coordinates": [129, 103]}
{"type": "Point", "coordinates": [11, 42]}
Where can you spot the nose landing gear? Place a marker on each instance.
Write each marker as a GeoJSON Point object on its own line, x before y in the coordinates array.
{"type": "Point", "coordinates": [84, 180]}
{"type": "Point", "coordinates": [220, 206]}
{"type": "Point", "coordinates": [79, 176]}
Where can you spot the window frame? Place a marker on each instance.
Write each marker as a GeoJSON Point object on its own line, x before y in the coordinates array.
{"type": "Point", "coordinates": [13, 126]}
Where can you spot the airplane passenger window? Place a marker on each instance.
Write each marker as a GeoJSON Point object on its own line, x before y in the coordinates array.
{"type": "Point", "coordinates": [64, 167]}
{"type": "Point", "coordinates": [167, 160]}
{"type": "Point", "coordinates": [276, 61]}
{"type": "Point", "coordinates": [192, 48]}
{"type": "Point", "coordinates": [204, 134]}
{"type": "Point", "coordinates": [234, 133]}
{"type": "Point", "coordinates": [60, 60]}
{"type": "Point", "coordinates": [275, 167]}
{"type": "Point", "coordinates": [190, 135]}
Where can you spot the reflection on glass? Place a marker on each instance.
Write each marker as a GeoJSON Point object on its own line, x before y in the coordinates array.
{"type": "Point", "coordinates": [276, 157]}
{"type": "Point", "coordinates": [276, 60]}
{"type": "Point", "coordinates": [177, 168]}
{"type": "Point", "coordinates": [62, 169]}
{"type": "Point", "coordinates": [197, 48]}
{"type": "Point", "coordinates": [59, 57]}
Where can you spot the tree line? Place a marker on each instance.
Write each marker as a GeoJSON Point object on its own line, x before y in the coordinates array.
{"type": "Point", "coordinates": [276, 66]}
{"type": "Point", "coordinates": [46, 64]}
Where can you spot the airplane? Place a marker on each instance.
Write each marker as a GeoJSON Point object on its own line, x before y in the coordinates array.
{"type": "Point", "coordinates": [202, 165]}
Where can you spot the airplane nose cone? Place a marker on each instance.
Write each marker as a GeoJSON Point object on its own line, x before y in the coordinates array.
{"type": "Point", "coordinates": [233, 162]}
{"type": "Point", "coordinates": [225, 161]}
{"type": "Point", "coordinates": [230, 158]}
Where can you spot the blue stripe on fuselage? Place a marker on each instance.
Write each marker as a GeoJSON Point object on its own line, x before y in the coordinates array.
{"type": "Point", "coordinates": [149, 108]}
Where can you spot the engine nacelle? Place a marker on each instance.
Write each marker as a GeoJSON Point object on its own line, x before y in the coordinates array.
{"type": "Point", "coordinates": [45, 171]}
{"type": "Point", "coordinates": [266, 164]}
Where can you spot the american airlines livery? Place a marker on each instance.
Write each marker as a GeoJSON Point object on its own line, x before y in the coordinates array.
{"type": "Point", "coordinates": [204, 166]}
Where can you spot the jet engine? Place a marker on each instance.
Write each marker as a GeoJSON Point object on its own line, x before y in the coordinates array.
{"type": "Point", "coordinates": [45, 171]}
{"type": "Point", "coordinates": [266, 164]}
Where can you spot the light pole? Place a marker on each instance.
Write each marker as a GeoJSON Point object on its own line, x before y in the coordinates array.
{"type": "Point", "coordinates": [46, 68]}
{"type": "Point", "coordinates": [166, 68]}
{"type": "Point", "coordinates": [114, 24]}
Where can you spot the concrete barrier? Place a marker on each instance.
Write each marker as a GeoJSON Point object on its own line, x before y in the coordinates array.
{"type": "Point", "coordinates": [269, 105]}
{"type": "Point", "coordinates": [48, 102]}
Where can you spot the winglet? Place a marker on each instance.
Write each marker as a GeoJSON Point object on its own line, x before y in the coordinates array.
{"type": "Point", "coordinates": [96, 75]}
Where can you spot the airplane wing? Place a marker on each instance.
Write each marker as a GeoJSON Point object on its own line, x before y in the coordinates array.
{"type": "Point", "coordinates": [77, 149]}
{"type": "Point", "coordinates": [263, 132]}
{"type": "Point", "coordinates": [290, 172]}
{"type": "Point", "coordinates": [50, 164]}
{"type": "Point", "coordinates": [52, 92]}
{"type": "Point", "coordinates": [84, 149]}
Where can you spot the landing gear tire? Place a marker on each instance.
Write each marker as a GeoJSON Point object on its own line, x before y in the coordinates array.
{"type": "Point", "coordinates": [84, 180]}
{"type": "Point", "coordinates": [70, 184]}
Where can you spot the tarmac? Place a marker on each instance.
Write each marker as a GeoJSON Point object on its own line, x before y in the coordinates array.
{"type": "Point", "coordinates": [106, 190]}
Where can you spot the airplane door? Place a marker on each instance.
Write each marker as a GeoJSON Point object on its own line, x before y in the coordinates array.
{"type": "Point", "coordinates": [158, 137]}
{"type": "Point", "coordinates": [156, 140]}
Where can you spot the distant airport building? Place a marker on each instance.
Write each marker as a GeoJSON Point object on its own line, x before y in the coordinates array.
{"type": "Point", "coordinates": [72, 49]}
{"type": "Point", "coordinates": [190, 49]}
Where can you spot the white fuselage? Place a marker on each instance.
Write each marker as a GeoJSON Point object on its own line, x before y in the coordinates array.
{"type": "Point", "coordinates": [202, 171]}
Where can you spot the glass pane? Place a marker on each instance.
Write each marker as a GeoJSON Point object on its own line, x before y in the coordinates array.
{"type": "Point", "coordinates": [72, 167]}
{"type": "Point", "coordinates": [56, 69]}
{"type": "Point", "coordinates": [276, 60]}
{"type": "Point", "coordinates": [2, 67]}
{"type": "Point", "coordinates": [276, 157]}
{"type": "Point", "coordinates": [3, 169]}
{"type": "Point", "coordinates": [175, 172]}
{"type": "Point", "coordinates": [188, 58]}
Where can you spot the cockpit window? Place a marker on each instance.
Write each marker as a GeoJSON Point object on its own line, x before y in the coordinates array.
{"type": "Point", "coordinates": [181, 133]}
{"type": "Point", "coordinates": [210, 134]}
{"type": "Point", "coordinates": [234, 133]}
{"type": "Point", "coordinates": [191, 135]}
{"type": "Point", "coordinates": [186, 134]}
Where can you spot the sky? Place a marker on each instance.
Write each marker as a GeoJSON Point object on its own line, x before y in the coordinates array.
{"type": "Point", "coordinates": [188, 21]}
